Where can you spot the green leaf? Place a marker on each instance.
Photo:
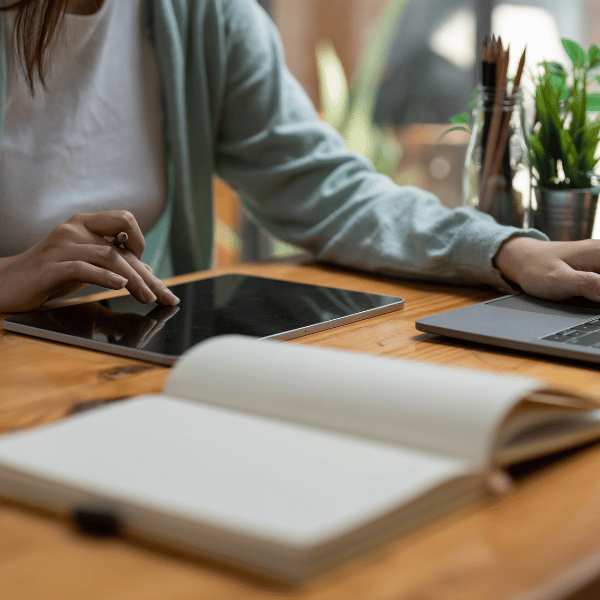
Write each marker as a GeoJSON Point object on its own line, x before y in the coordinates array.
{"type": "Point", "coordinates": [575, 52]}
{"type": "Point", "coordinates": [359, 134]}
{"type": "Point", "coordinates": [559, 85]}
{"type": "Point", "coordinates": [593, 102]}
{"type": "Point", "coordinates": [537, 146]}
{"type": "Point", "coordinates": [569, 155]}
{"type": "Point", "coordinates": [592, 131]}
{"type": "Point", "coordinates": [543, 165]}
{"type": "Point", "coordinates": [463, 128]}
{"type": "Point", "coordinates": [474, 98]}
{"type": "Point", "coordinates": [461, 118]}
{"type": "Point", "coordinates": [543, 98]}
{"type": "Point", "coordinates": [594, 57]}
{"type": "Point", "coordinates": [550, 100]}
{"type": "Point", "coordinates": [555, 68]}
{"type": "Point", "coordinates": [590, 160]}
{"type": "Point", "coordinates": [332, 84]}
{"type": "Point", "coordinates": [591, 143]}
{"type": "Point", "coordinates": [372, 61]}
{"type": "Point", "coordinates": [598, 79]}
{"type": "Point", "coordinates": [388, 153]}
{"type": "Point", "coordinates": [352, 112]}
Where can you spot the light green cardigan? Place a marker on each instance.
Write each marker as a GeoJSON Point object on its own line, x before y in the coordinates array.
{"type": "Point", "coordinates": [232, 108]}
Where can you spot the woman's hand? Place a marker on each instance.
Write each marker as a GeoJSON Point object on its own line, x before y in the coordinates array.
{"type": "Point", "coordinates": [76, 254]}
{"type": "Point", "coordinates": [552, 270]}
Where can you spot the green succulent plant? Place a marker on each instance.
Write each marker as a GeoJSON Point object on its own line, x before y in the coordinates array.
{"type": "Point", "coordinates": [564, 136]}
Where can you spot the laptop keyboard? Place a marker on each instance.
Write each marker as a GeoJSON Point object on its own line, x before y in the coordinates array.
{"type": "Point", "coordinates": [586, 334]}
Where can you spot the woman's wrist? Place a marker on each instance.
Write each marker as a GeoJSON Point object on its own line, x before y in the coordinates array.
{"type": "Point", "coordinates": [510, 258]}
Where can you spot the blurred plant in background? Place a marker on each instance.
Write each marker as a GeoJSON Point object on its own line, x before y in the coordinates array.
{"type": "Point", "coordinates": [349, 107]}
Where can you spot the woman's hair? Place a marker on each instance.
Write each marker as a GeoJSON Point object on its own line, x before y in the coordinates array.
{"type": "Point", "coordinates": [36, 26]}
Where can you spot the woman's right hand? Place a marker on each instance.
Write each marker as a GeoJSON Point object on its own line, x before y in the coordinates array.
{"type": "Point", "coordinates": [75, 254]}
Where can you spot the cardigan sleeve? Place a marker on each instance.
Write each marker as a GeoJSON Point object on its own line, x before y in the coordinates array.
{"type": "Point", "coordinates": [301, 183]}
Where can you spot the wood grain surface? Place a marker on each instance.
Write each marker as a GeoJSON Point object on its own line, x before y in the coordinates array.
{"type": "Point", "coordinates": [540, 541]}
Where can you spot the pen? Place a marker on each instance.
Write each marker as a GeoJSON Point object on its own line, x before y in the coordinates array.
{"type": "Point", "coordinates": [120, 239]}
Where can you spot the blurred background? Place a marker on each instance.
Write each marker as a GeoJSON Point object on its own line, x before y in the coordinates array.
{"type": "Point", "coordinates": [389, 74]}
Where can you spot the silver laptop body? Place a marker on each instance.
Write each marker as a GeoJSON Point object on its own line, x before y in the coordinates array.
{"type": "Point", "coordinates": [521, 322]}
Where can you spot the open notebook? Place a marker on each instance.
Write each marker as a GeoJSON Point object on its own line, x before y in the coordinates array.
{"type": "Point", "coordinates": [284, 458]}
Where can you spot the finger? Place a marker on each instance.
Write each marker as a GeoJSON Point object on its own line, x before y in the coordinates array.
{"type": "Point", "coordinates": [163, 294]}
{"type": "Point", "coordinates": [583, 255]}
{"type": "Point", "coordinates": [143, 284]}
{"type": "Point", "coordinates": [108, 257]}
{"type": "Point", "coordinates": [156, 286]}
{"type": "Point", "coordinates": [126, 264]}
{"type": "Point", "coordinates": [65, 272]}
{"type": "Point", "coordinates": [588, 284]}
{"type": "Point", "coordinates": [567, 283]}
{"type": "Point", "coordinates": [111, 223]}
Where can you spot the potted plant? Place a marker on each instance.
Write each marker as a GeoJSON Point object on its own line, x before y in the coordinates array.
{"type": "Point", "coordinates": [564, 145]}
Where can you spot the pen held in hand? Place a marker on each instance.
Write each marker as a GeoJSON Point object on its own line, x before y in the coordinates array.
{"type": "Point", "coordinates": [120, 239]}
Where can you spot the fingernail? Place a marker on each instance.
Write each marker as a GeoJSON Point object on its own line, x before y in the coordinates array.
{"type": "Point", "coordinates": [117, 282]}
{"type": "Point", "coordinates": [147, 295]}
{"type": "Point", "coordinates": [168, 297]}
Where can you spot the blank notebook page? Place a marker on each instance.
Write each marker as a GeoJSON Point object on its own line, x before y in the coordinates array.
{"type": "Point", "coordinates": [284, 482]}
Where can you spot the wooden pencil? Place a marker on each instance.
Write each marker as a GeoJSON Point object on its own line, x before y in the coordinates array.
{"type": "Point", "coordinates": [501, 59]}
{"type": "Point", "coordinates": [500, 147]}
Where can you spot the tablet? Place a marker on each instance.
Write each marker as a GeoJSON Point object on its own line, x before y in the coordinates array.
{"type": "Point", "coordinates": [233, 303]}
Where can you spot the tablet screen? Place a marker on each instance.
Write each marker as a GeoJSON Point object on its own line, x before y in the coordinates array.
{"type": "Point", "coordinates": [233, 303]}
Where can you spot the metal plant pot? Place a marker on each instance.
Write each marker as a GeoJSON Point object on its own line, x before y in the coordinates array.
{"type": "Point", "coordinates": [565, 215]}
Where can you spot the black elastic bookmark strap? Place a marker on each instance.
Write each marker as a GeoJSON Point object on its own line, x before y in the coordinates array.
{"type": "Point", "coordinates": [96, 522]}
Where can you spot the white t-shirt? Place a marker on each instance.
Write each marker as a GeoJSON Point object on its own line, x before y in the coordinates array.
{"type": "Point", "coordinates": [94, 140]}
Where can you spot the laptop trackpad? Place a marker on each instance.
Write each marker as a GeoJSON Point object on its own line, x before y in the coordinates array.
{"type": "Point", "coordinates": [575, 307]}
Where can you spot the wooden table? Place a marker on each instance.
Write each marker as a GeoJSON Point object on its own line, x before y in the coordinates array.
{"type": "Point", "coordinates": [542, 541]}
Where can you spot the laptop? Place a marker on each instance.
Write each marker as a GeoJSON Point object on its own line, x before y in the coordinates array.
{"type": "Point", "coordinates": [520, 322]}
{"type": "Point", "coordinates": [232, 303]}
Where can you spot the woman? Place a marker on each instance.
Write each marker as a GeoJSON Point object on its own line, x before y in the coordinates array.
{"type": "Point", "coordinates": [116, 114]}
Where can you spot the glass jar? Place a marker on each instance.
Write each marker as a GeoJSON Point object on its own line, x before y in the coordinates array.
{"type": "Point", "coordinates": [497, 178]}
